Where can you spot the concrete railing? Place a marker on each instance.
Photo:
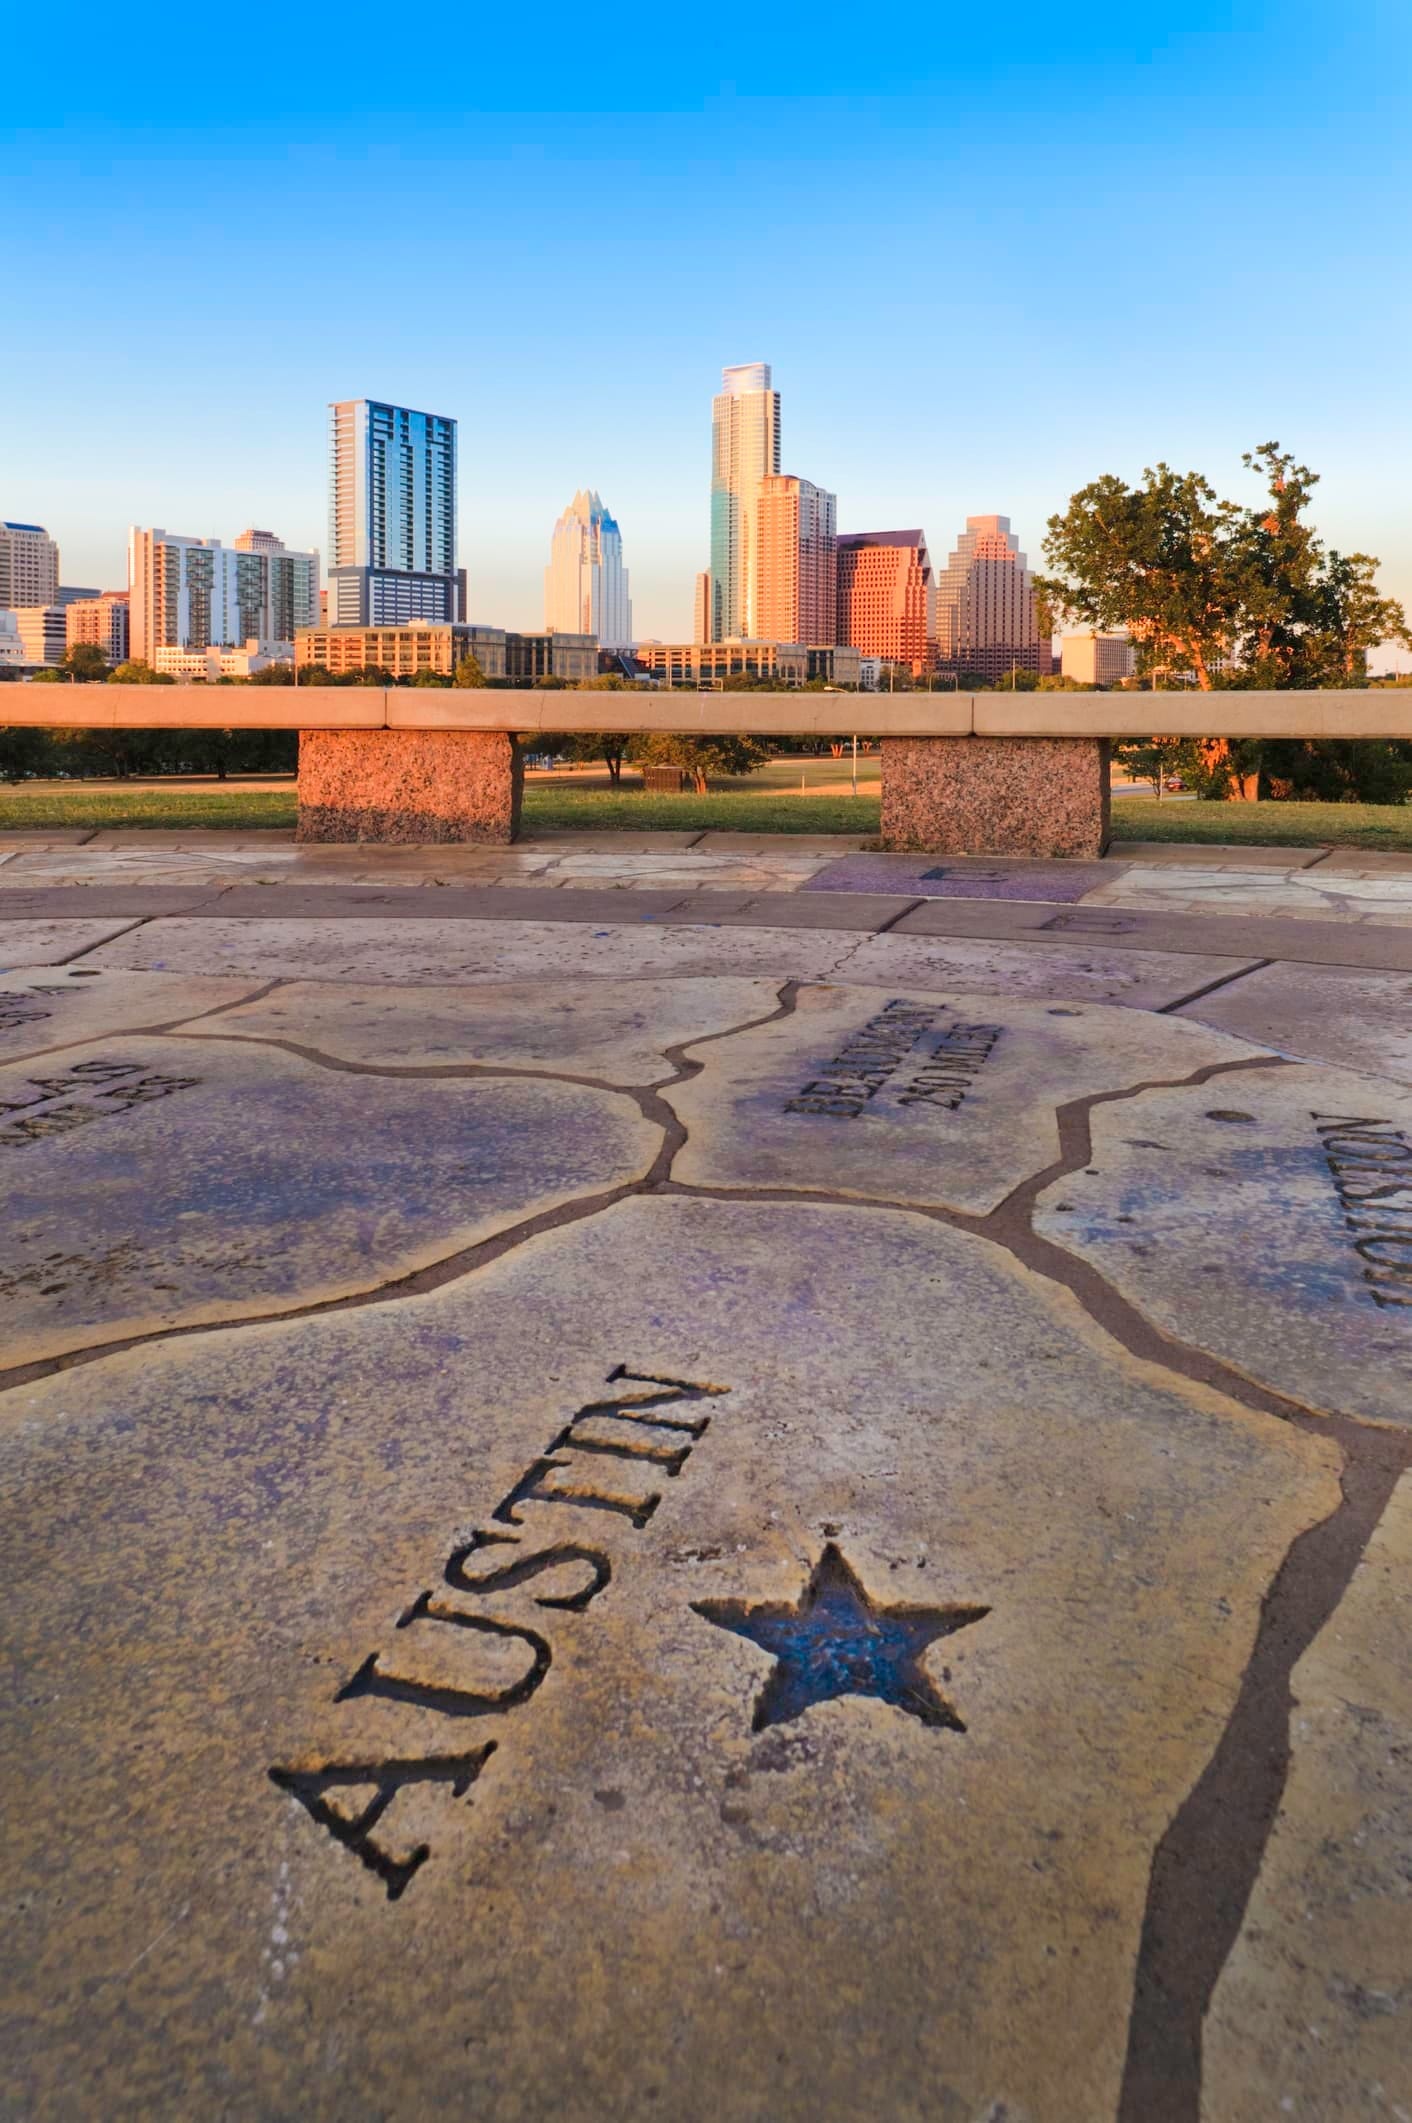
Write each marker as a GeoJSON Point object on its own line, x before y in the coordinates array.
{"type": "Point", "coordinates": [1383, 712]}
{"type": "Point", "coordinates": [962, 773]}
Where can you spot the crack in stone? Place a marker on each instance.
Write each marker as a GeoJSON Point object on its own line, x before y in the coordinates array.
{"type": "Point", "coordinates": [466, 1260]}
{"type": "Point", "coordinates": [1224, 980]}
{"type": "Point", "coordinates": [170, 1028]}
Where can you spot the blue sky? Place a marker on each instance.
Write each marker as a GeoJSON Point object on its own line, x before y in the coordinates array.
{"type": "Point", "coordinates": [989, 258]}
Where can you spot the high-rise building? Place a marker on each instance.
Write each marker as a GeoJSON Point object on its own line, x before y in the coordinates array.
{"type": "Point", "coordinates": [29, 566]}
{"type": "Point", "coordinates": [100, 623]}
{"type": "Point", "coordinates": [745, 448]}
{"type": "Point", "coordinates": [986, 619]}
{"type": "Point", "coordinates": [585, 583]}
{"type": "Point", "coordinates": [885, 596]}
{"type": "Point", "coordinates": [701, 607]}
{"type": "Point", "coordinates": [195, 593]}
{"type": "Point", "coordinates": [796, 562]}
{"type": "Point", "coordinates": [392, 516]}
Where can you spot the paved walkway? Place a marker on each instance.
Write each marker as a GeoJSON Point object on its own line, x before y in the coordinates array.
{"type": "Point", "coordinates": [743, 1480]}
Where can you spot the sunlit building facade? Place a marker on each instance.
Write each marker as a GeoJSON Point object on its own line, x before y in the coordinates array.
{"type": "Point", "coordinates": [711, 663]}
{"type": "Point", "coordinates": [585, 583]}
{"type": "Point", "coordinates": [99, 623]}
{"type": "Point", "coordinates": [986, 619]}
{"type": "Point", "coordinates": [745, 449]}
{"type": "Point", "coordinates": [197, 593]}
{"type": "Point", "coordinates": [1097, 659]}
{"type": "Point", "coordinates": [392, 516]}
{"type": "Point", "coordinates": [885, 596]}
{"type": "Point", "coordinates": [29, 566]}
{"type": "Point", "coordinates": [796, 558]}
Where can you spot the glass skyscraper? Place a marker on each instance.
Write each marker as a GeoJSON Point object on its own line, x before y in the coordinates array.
{"type": "Point", "coordinates": [585, 583]}
{"type": "Point", "coordinates": [745, 448]}
{"type": "Point", "coordinates": [392, 516]}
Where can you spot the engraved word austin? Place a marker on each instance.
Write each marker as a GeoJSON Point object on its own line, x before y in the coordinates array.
{"type": "Point", "coordinates": [625, 1426]}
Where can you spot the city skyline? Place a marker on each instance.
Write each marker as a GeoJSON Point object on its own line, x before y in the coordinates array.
{"type": "Point", "coordinates": [982, 311]}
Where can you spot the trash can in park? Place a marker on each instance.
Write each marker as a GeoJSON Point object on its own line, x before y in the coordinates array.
{"type": "Point", "coordinates": [662, 781]}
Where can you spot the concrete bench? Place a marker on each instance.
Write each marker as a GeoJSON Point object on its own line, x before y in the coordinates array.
{"type": "Point", "coordinates": [962, 774]}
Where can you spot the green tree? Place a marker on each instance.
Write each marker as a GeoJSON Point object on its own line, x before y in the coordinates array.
{"type": "Point", "coordinates": [1161, 560]}
{"type": "Point", "coordinates": [698, 756]}
{"type": "Point", "coordinates": [84, 662]}
{"type": "Point", "coordinates": [468, 672]}
{"type": "Point", "coordinates": [137, 673]}
{"type": "Point", "coordinates": [430, 678]}
{"type": "Point", "coordinates": [25, 752]}
{"type": "Point", "coordinates": [610, 746]}
{"type": "Point", "coordinates": [1157, 759]}
{"type": "Point", "coordinates": [1310, 614]}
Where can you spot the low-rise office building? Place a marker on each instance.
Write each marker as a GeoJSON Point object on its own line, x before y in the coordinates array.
{"type": "Point", "coordinates": [837, 665]}
{"type": "Point", "coordinates": [42, 633]}
{"type": "Point", "coordinates": [435, 648]}
{"type": "Point", "coordinates": [188, 666]}
{"type": "Point", "coordinates": [698, 663]}
{"type": "Point", "coordinates": [531, 658]}
{"type": "Point", "coordinates": [12, 649]}
{"type": "Point", "coordinates": [403, 652]}
{"type": "Point", "coordinates": [1097, 659]}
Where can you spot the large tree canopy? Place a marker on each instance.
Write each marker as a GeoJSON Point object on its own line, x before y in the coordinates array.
{"type": "Point", "coordinates": [1239, 596]}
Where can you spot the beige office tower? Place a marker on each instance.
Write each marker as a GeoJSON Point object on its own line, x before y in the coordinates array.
{"type": "Point", "coordinates": [29, 566]}
{"type": "Point", "coordinates": [796, 562]}
{"type": "Point", "coordinates": [745, 448]}
{"type": "Point", "coordinates": [701, 608]}
{"type": "Point", "coordinates": [986, 621]}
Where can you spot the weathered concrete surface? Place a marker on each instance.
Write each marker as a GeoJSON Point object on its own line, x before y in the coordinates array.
{"type": "Point", "coordinates": [1266, 1218]}
{"type": "Point", "coordinates": [409, 785]}
{"type": "Point", "coordinates": [1337, 1014]}
{"type": "Point", "coordinates": [1312, 895]}
{"type": "Point", "coordinates": [53, 1006]}
{"type": "Point", "coordinates": [151, 1181]}
{"type": "Point", "coordinates": [638, 1907]}
{"type": "Point", "coordinates": [996, 795]}
{"type": "Point", "coordinates": [437, 952]}
{"type": "Point", "coordinates": [1144, 980]}
{"type": "Point", "coordinates": [44, 942]}
{"type": "Point", "coordinates": [1312, 2017]}
{"type": "Point", "coordinates": [889, 1094]}
{"type": "Point", "coordinates": [616, 1031]}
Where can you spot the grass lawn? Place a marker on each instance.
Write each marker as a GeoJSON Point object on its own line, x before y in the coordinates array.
{"type": "Point", "coordinates": [1289, 825]}
{"type": "Point", "coordinates": [772, 803]}
{"type": "Point", "coordinates": [65, 804]}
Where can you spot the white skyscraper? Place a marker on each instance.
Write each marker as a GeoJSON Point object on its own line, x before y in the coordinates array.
{"type": "Point", "coordinates": [195, 593]}
{"type": "Point", "coordinates": [585, 583]}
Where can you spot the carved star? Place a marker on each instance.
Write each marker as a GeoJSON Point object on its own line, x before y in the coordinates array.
{"type": "Point", "coordinates": [837, 1641]}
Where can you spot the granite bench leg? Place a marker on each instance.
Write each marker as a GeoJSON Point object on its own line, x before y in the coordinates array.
{"type": "Point", "coordinates": [996, 795]}
{"type": "Point", "coordinates": [409, 785]}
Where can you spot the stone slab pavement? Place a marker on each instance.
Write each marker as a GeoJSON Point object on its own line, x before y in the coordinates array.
{"type": "Point", "coordinates": [705, 1512]}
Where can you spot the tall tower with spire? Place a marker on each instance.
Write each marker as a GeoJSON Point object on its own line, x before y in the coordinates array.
{"type": "Point", "coordinates": [585, 583]}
